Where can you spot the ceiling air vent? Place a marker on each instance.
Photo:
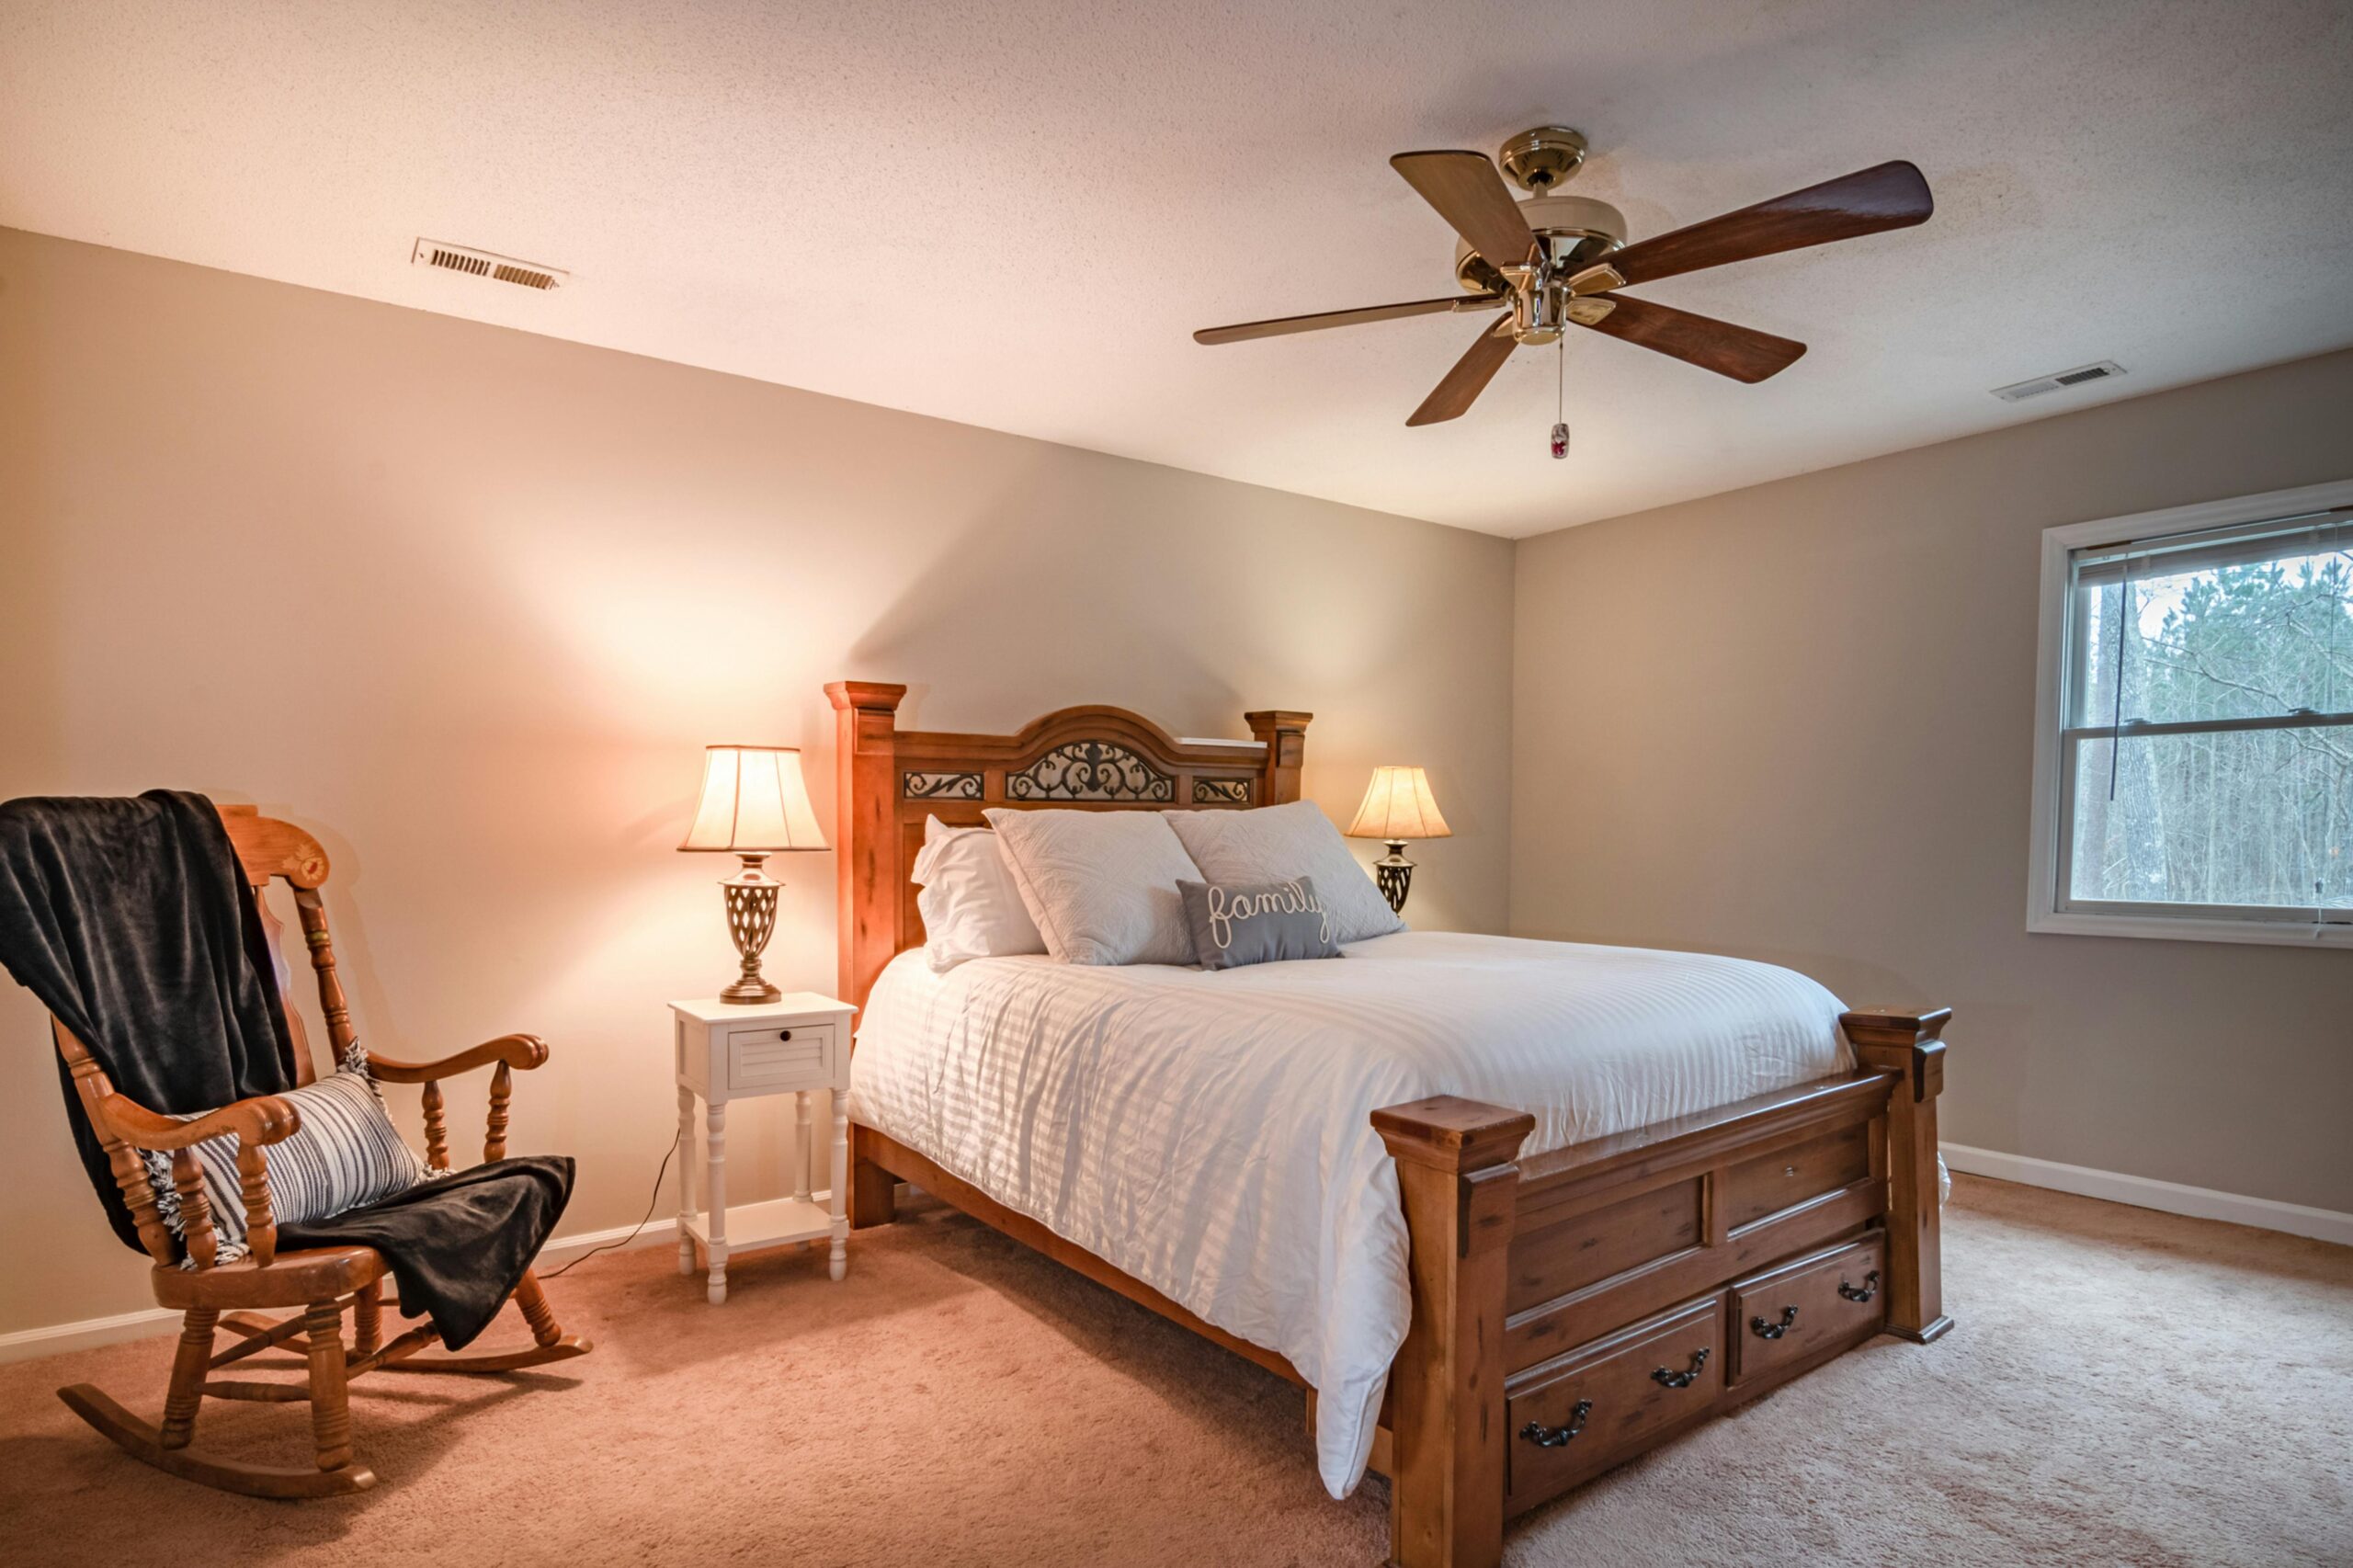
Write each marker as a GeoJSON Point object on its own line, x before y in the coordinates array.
{"type": "Point", "coordinates": [483, 264]}
{"type": "Point", "coordinates": [2015, 392]}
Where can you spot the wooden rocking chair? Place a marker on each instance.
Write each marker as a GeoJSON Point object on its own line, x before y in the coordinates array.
{"type": "Point", "coordinates": [324, 1281]}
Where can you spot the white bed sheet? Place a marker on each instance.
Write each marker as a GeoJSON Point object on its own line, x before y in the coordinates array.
{"type": "Point", "coordinates": [1208, 1133]}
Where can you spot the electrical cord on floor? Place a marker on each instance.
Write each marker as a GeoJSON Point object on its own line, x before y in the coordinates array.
{"type": "Point", "coordinates": [641, 1225]}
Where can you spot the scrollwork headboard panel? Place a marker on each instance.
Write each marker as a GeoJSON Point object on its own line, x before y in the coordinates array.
{"type": "Point", "coordinates": [890, 780]}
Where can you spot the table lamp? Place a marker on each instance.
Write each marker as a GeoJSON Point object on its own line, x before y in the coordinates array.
{"type": "Point", "coordinates": [755, 804]}
{"type": "Point", "coordinates": [1397, 806]}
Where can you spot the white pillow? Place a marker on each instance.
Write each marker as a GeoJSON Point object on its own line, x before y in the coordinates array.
{"type": "Point", "coordinates": [1101, 885]}
{"type": "Point", "coordinates": [1276, 844]}
{"type": "Point", "coordinates": [971, 906]}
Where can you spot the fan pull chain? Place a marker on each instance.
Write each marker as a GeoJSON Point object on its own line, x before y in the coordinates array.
{"type": "Point", "coordinates": [1560, 399]}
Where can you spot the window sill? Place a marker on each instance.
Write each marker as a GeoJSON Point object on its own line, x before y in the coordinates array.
{"type": "Point", "coordinates": [2190, 928]}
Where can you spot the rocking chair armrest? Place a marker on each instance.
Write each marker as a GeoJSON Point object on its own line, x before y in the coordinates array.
{"type": "Point", "coordinates": [264, 1119]}
{"type": "Point", "coordinates": [523, 1051]}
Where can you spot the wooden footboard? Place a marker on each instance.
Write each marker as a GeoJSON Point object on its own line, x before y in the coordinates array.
{"type": "Point", "coordinates": [1575, 1309]}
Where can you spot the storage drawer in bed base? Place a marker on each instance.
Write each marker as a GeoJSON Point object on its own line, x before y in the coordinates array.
{"type": "Point", "coordinates": [1626, 1391]}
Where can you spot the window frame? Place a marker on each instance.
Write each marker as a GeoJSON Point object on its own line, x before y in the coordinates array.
{"type": "Point", "coordinates": [2056, 744]}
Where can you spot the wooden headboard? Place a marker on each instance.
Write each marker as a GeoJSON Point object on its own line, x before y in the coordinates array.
{"type": "Point", "coordinates": [890, 780]}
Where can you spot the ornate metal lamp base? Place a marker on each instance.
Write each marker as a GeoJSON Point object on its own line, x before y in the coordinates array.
{"type": "Point", "coordinates": [1395, 874]}
{"type": "Point", "coordinates": [751, 920]}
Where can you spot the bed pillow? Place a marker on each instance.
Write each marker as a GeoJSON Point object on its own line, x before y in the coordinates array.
{"type": "Point", "coordinates": [1275, 844]}
{"type": "Point", "coordinates": [1235, 924]}
{"type": "Point", "coordinates": [1100, 885]}
{"type": "Point", "coordinates": [971, 906]}
{"type": "Point", "coordinates": [345, 1154]}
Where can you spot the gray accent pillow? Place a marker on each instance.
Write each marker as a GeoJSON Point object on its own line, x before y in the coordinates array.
{"type": "Point", "coordinates": [1234, 923]}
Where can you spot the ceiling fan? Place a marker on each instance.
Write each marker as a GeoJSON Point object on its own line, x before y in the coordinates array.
{"type": "Point", "coordinates": [1557, 261]}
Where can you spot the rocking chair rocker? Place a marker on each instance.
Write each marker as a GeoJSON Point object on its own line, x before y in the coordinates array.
{"type": "Point", "coordinates": [322, 1282]}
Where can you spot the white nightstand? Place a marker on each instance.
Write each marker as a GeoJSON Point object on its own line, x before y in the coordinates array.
{"type": "Point", "coordinates": [798, 1045]}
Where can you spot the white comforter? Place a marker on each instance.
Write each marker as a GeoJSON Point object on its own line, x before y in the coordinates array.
{"type": "Point", "coordinates": [1208, 1132]}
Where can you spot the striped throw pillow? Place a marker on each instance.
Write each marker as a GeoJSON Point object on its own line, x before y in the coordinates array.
{"type": "Point", "coordinates": [346, 1153]}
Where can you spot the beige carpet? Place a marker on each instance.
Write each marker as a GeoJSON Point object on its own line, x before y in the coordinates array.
{"type": "Point", "coordinates": [2124, 1387]}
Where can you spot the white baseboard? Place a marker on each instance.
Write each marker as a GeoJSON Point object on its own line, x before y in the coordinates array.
{"type": "Point", "coordinates": [86, 1334]}
{"type": "Point", "coordinates": [2146, 1192]}
{"type": "Point", "coordinates": [561, 1250]}
{"type": "Point", "coordinates": [90, 1333]}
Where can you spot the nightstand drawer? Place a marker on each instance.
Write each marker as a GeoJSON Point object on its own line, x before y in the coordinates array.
{"type": "Point", "coordinates": [769, 1056]}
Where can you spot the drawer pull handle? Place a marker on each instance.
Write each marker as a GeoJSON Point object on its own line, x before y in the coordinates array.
{"type": "Point", "coordinates": [1681, 1379]}
{"type": "Point", "coordinates": [1545, 1436]}
{"type": "Point", "coordinates": [1863, 1293]}
{"type": "Point", "coordinates": [784, 1034]}
{"type": "Point", "coordinates": [1774, 1330]}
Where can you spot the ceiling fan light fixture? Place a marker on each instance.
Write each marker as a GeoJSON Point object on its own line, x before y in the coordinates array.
{"type": "Point", "coordinates": [1577, 231]}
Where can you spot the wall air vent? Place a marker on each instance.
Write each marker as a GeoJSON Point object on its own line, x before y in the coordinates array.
{"type": "Point", "coordinates": [2107, 370]}
{"type": "Point", "coordinates": [483, 264]}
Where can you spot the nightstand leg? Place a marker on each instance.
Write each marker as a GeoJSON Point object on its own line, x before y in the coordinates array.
{"type": "Point", "coordinates": [800, 1149]}
{"type": "Point", "coordinates": [841, 1182]}
{"type": "Point", "coordinates": [684, 1156]}
{"type": "Point", "coordinates": [714, 1191]}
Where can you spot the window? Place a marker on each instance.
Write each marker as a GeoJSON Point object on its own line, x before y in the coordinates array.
{"type": "Point", "coordinates": [2194, 756]}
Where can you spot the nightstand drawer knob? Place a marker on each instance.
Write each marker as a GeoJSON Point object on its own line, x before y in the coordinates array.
{"type": "Point", "coordinates": [784, 1034]}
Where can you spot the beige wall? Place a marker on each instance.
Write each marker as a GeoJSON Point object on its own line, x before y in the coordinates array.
{"type": "Point", "coordinates": [468, 603]}
{"type": "Point", "coordinates": [1796, 723]}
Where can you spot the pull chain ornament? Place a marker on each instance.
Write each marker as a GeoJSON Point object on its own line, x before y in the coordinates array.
{"type": "Point", "coordinates": [1559, 420]}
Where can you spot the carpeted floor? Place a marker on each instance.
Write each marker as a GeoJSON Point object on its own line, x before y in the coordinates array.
{"type": "Point", "coordinates": [2124, 1387]}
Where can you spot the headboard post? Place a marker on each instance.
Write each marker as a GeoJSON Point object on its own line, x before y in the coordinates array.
{"type": "Point", "coordinates": [1285, 735]}
{"type": "Point", "coordinates": [865, 764]}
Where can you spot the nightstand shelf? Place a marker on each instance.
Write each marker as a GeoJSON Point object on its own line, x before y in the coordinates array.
{"type": "Point", "coordinates": [798, 1045]}
{"type": "Point", "coordinates": [776, 1222]}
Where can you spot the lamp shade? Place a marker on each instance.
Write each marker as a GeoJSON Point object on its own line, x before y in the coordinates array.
{"type": "Point", "coordinates": [754, 803]}
{"type": "Point", "coordinates": [1399, 805]}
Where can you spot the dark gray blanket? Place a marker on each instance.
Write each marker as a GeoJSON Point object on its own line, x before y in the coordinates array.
{"type": "Point", "coordinates": [132, 922]}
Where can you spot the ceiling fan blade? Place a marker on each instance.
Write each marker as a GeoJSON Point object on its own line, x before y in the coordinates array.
{"type": "Point", "coordinates": [1243, 331]}
{"type": "Point", "coordinates": [1893, 196]}
{"type": "Point", "coordinates": [1453, 396]}
{"type": "Point", "coordinates": [1740, 352]}
{"type": "Point", "coordinates": [1470, 194]}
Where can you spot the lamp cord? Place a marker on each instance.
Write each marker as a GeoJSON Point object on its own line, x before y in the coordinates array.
{"type": "Point", "coordinates": [641, 1225]}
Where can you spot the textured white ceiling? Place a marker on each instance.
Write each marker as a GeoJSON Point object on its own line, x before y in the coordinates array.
{"type": "Point", "coordinates": [1012, 213]}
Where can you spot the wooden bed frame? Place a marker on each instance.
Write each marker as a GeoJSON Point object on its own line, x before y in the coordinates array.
{"type": "Point", "coordinates": [1571, 1308]}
